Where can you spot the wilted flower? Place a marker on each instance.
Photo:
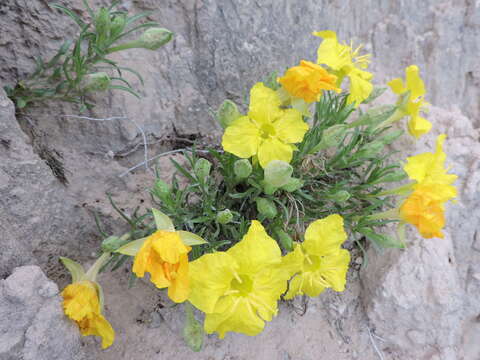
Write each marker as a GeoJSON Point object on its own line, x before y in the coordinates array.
{"type": "Point", "coordinates": [345, 61]}
{"type": "Point", "coordinates": [238, 289]}
{"type": "Point", "coordinates": [81, 304]}
{"type": "Point", "coordinates": [307, 81]}
{"type": "Point", "coordinates": [268, 131]}
{"type": "Point", "coordinates": [165, 257]}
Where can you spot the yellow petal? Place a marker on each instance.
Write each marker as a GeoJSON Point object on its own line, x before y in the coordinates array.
{"type": "Point", "coordinates": [324, 236]}
{"type": "Point", "coordinates": [414, 82]}
{"type": "Point", "coordinates": [238, 315]}
{"type": "Point", "coordinates": [210, 278]}
{"type": "Point", "coordinates": [312, 284]}
{"type": "Point", "coordinates": [140, 262]}
{"type": "Point", "coordinates": [256, 250]}
{"type": "Point", "coordinates": [397, 86]}
{"type": "Point", "coordinates": [331, 52]}
{"type": "Point", "coordinates": [333, 269]}
{"type": "Point", "coordinates": [274, 149]}
{"type": "Point", "coordinates": [80, 299]}
{"type": "Point", "coordinates": [418, 126]}
{"type": "Point", "coordinates": [242, 138]}
{"type": "Point", "coordinates": [294, 287]}
{"type": "Point", "coordinates": [290, 127]}
{"type": "Point", "coordinates": [169, 246]}
{"type": "Point", "coordinates": [292, 263]}
{"type": "Point", "coordinates": [264, 105]}
{"type": "Point", "coordinates": [97, 325]}
{"type": "Point", "coordinates": [179, 288]}
{"type": "Point", "coordinates": [268, 286]}
{"type": "Point", "coordinates": [360, 86]}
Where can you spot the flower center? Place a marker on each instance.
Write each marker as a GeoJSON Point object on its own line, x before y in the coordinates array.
{"type": "Point", "coordinates": [266, 131]}
{"type": "Point", "coordinates": [170, 270]}
{"type": "Point", "coordinates": [242, 284]}
{"type": "Point", "coordinates": [311, 263]}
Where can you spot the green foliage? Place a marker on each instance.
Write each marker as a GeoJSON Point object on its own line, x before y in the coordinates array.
{"type": "Point", "coordinates": [81, 66]}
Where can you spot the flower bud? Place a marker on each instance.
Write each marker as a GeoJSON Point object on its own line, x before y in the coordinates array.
{"type": "Point", "coordinates": [267, 188]}
{"type": "Point", "coordinates": [266, 208]}
{"type": "Point", "coordinates": [202, 168]}
{"type": "Point", "coordinates": [99, 81]}
{"type": "Point", "coordinates": [102, 22]}
{"type": "Point", "coordinates": [278, 173]}
{"type": "Point", "coordinates": [340, 196]}
{"type": "Point", "coordinates": [331, 136]}
{"type": "Point", "coordinates": [292, 185]}
{"type": "Point", "coordinates": [242, 168]}
{"type": "Point", "coordinates": [161, 188]}
{"type": "Point", "coordinates": [112, 243]}
{"type": "Point", "coordinates": [227, 113]}
{"type": "Point", "coordinates": [224, 216]}
{"type": "Point", "coordinates": [117, 26]}
{"type": "Point", "coordinates": [285, 240]}
{"type": "Point", "coordinates": [154, 38]}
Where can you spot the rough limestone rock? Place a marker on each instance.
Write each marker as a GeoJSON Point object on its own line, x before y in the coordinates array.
{"type": "Point", "coordinates": [424, 301]}
{"type": "Point", "coordinates": [33, 325]}
{"type": "Point", "coordinates": [39, 218]}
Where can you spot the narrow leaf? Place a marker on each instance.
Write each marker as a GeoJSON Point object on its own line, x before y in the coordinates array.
{"type": "Point", "coordinates": [132, 247]}
{"type": "Point", "coordinates": [162, 221]}
{"type": "Point", "coordinates": [191, 239]}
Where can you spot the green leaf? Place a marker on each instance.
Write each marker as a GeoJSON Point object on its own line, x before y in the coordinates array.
{"type": "Point", "coordinates": [191, 239]}
{"type": "Point", "coordinates": [377, 91]}
{"type": "Point", "coordinates": [162, 221]}
{"type": "Point", "coordinates": [124, 88]}
{"type": "Point", "coordinates": [132, 247]}
{"type": "Point", "coordinates": [76, 270]}
{"type": "Point", "coordinates": [193, 333]}
{"type": "Point", "coordinates": [382, 240]}
{"type": "Point", "coordinates": [70, 13]}
{"type": "Point", "coordinates": [133, 72]}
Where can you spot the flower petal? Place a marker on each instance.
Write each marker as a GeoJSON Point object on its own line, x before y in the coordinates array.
{"type": "Point", "coordinates": [179, 289]}
{"type": "Point", "coordinates": [256, 250]}
{"type": "Point", "coordinates": [210, 278]}
{"type": "Point", "coordinates": [397, 86]}
{"type": "Point", "coordinates": [360, 86]}
{"type": "Point", "coordinates": [264, 105]}
{"type": "Point", "coordinates": [237, 315]}
{"type": "Point", "coordinates": [273, 149]}
{"type": "Point", "coordinates": [290, 127]}
{"type": "Point", "coordinates": [324, 236]}
{"type": "Point", "coordinates": [333, 269]}
{"type": "Point", "coordinates": [418, 126]}
{"type": "Point", "coordinates": [414, 82]}
{"type": "Point", "coordinates": [241, 138]}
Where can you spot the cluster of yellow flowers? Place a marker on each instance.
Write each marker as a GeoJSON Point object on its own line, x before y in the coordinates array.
{"type": "Point", "coordinates": [239, 289]}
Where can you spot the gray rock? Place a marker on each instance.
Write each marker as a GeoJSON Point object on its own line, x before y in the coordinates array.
{"type": "Point", "coordinates": [33, 325]}
{"type": "Point", "coordinates": [38, 216]}
{"type": "Point", "coordinates": [424, 300]}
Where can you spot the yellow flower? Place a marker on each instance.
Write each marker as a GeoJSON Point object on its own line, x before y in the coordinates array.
{"type": "Point", "coordinates": [165, 257]}
{"type": "Point", "coordinates": [81, 304]}
{"type": "Point", "coordinates": [425, 212]}
{"type": "Point", "coordinates": [268, 131]}
{"type": "Point", "coordinates": [238, 289]}
{"type": "Point", "coordinates": [345, 61]}
{"type": "Point", "coordinates": [319, 262]}
{"type": "Point", "coordinates": [307, 80]}
{"type": "Point", "coordinates": [417, 125]}
{"type": "Point", "coordinates": [429, 169]}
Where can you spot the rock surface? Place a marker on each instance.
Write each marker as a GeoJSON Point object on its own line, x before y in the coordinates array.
{"type": "Point", "coordinates": [33, 325]}
{"type": "Point", "coordinates": [422, 301]}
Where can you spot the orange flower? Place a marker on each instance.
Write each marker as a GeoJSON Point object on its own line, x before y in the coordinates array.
{"type": "Point", "coordinates": [307, 80]}
{"type": "Point", "coordinates": [423, 210]}
{"type": "Point", "coordinates": [165, 257]}
{"type": "Point", "coordinates": [81, 303]}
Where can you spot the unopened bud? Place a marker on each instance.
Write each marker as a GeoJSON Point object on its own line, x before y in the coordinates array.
{"type": "Point", "coordinates": [161, 188]}
{"type": "Point", "coordinates": [102, 22]}
{"type": "Point", "coordinates": [292, 185]}
{"type": "Point", "coordinates": [340, 196]}
{"type": "Point", "coordinates": [117, 26]}
{"type": "Point", "coordinates": [202, 168]}
{"type": "Point", "coordinates": [112, 243]}
{"type": "Point", "coordinates": [224, 216]}
{"type": "Point", "coordinates": [285, 240]}
{"type": "Point", "coordinates": [227, 113]}
{"type": "Point", "coordinates": [278, 173]}
{"type": "Point", "coordinates": [154, 38]}
{"type": "Point", "coordinates": [331, 136]}
{"type": "Point", "coordinates": [242, 168]}
{"type": "Point", "coordinates": [99, 81]}
{"type": "Point", "coordinates": [266, 208]}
